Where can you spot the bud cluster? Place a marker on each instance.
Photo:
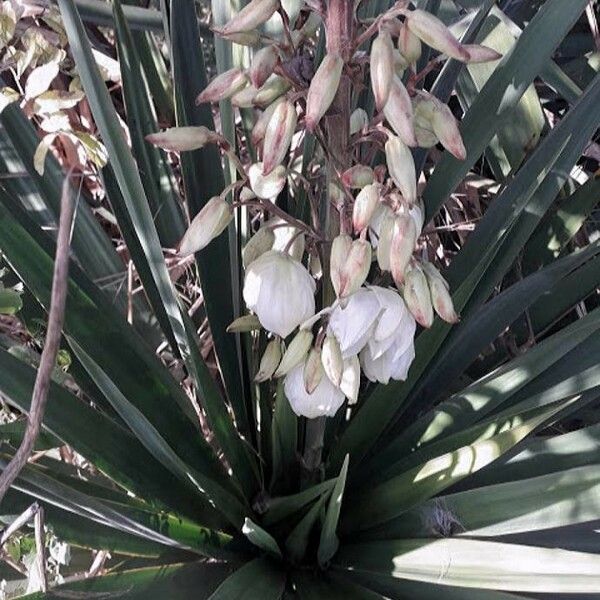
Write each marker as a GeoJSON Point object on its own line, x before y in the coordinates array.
{"type": "Point", "coordinates": [323, 343]}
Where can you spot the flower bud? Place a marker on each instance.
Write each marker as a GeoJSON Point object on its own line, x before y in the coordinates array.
{"type": "Point", "coordinates": [423, 108]}
{"type": "Point", "coordinates": [246, 194]}
{"type": "Point", "coordinates": [244, 324]}
{"type": "Point", "coordinates": [243, 38]}
{"type": "Point", "coordinates": [440, 296]}
{"type": "Point", "coordinates": [323, 88]}
{"type": "Point", "coordinates": [417, 296]}
{"type": "Point", "coordinates": [260, 127]}
{"type": "Point", "coordinates": [358, 120]}
{"type": "Point", "coordinates": [349, 264]}
{"type": "Point", "coordinates": [257, 245]}
{"type": "Point", "coordinates": [403, 245]}
{"type": "Point", "coordinates": [401, 167]}
{"type": "Point", "coordinates": [245, 97]}
{"type": "Point", "coordinates": [210, 222]}
{"type": "Point", "coordinates": [400, 63]}
{"type": "Point", "coordinates": [409, 45]}
{"type": "Point", "coordinates": [313, 371]}
{"type": "Point", "coordinates": [434, 33]}
{"type": "Point", "coordinates": [266, 186]}
{"type": "Point", "coordinates": [295, 352]}
{"type": "Point", "coordinates": [180, 139]}
{"type": "Point", "coordinates": [382, 67]}
{"type": "Point", "coordinates": [223, 86]}
{"type": "Point", "coordinates": [384, 245]}
{"type": "Point", "coordinates": [445, 127]}
{"type": "Point", "coordinates": [358, 176]}
{"type": "Point", "coordinates": [364, 206]}
{"type": "Point", "coordinates": [274, 87]}
{"type": "Point", "coordinates": [481, 54]}
{"type": "Point", "coordinates": [333, 362]}
{"type": "Point", "coordinates": [269, 361]}
{"type": "Point", "coordinates": [254, 14]}
{"type": "Point", "coordinates": [350, 383]}
{"type": "Point", "coordinates": [399, 112]}
{"type": "Point", "coordinates": [262, 66]}
{"type": "Point", "coordinates": [278, 137]}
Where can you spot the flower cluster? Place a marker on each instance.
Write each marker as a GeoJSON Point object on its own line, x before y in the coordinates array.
{"type": "Point", "coordinates": [336, 305]}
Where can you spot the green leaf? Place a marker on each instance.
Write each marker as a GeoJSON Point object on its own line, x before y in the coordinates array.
{"type": "Point", "coordinates": [284, 438]}
{"type": "Point", "coordinates": [10, 301]}
{"type": "Point", "coordinates": [260, 538]}
{"type": "Point", "coordinates": [175, 582]}
{"type": "Point", "coordinates": [157, 446]}
{"type": "Point", "coordinates": [477, 564]}
{"type": "Point", "coordinates": [157, 177]}
{"type": "Point", "coordinates": [297, 541]}
{"type": "Point", "coordinates": [203, 178]}
{"type": "Point", "coordinates": [310, 586]}
{"type": "Point", "coordinates": [259, 579]}
{"type": "Point", "coordinates": [13, 432]}
{"type": "Point", "coordinates": [501, 94]}
{"type": "Point", "coordinates": [329, 543]}
{"type": "Point", "coordinates": [393, 497]}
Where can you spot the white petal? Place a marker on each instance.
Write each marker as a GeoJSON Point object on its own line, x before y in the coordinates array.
{"type": "Point", "coordinates": [401, 364]}
{"type": "Point", "coordinates": [325, 400]}
{"type": "Point", "coordinates": [376, 369]}
{"type": "Point", "coordinates": [351, 379]}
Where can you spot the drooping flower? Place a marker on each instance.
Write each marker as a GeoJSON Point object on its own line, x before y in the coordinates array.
{"type": "Point", "coordinates": [280, 291]}
{"type": "Point", "coordinates": [325, 399]}
{"type": "Point", "coordinates": [393, 364]}
{"type": "Point", "coordinates": [208, 224]}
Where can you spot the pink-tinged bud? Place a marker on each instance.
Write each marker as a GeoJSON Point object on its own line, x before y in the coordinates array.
{"type": "Point", "coordinates": [268, 186]}
{"type": "Point", "coordinates": [278, 136]}
{"type": "Point", "coordinates": [313, 371]}
{"type": "Point", "coordinates": [244, 324]}
{"type": "Point", "coordinates": [401, 167]}
{"type": "Point", "coordinates": [440, 296]}
{"type": "Point", "coordinates": [254, 14]}
{"type": "Point", "coordinates": [349, 264]}
{"type": "Point", "coordinates": [262, 66]}
{"type": "Point", "coordinates": [260, 127]}
{"type": "Point", "coordinates": [358, 176]}
{"type": "Point", "coordinates": [333, 362]}
{"type": "Point", "coordinates": [382, 67]}
{"type": "Point", "coordinates": [295, 353]}
{"type": "Point", "coordinates": [358, 120]}
{"type": "Point", "coordinates": [245, 97]}
{"type": "Point", "coordinates": [404, 240]}
{"type": "Point", "coordinates": [445, 127]}
{"type": "Point", "coordinates": [269, 361]}
{"type": "Point", "coordinates": [409, 45]}
{"type": "Point", "coordinates": [481, 54]}
{"type": "Point", "coordinates": [243, 38]}
{"type": "Point", "coordinates": [274, 87]}
{"type": "Point", "coordinates": [180, 139]}
{"type": "Point", "coordinates": [434, 33]}
{"type": "Point", "coordinates": [399, 112]}
{"type": "Point", "coordinates": [323, 88]}
{"type": "Point", "coordinates": [384, 244]}
{"type": "Point", "coordinates": [416, 295]}
{"type": "Point", "coordinates": [364, 207]}
{"type": "Point", "coordinates": [210, 222]}
{"type": "Point", "coordinates": [223, 86]}
{"type": "Point", "coordinates": [261, 242]}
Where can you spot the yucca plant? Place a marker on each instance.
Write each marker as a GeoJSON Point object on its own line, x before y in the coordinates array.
{"type": "Point", "coordinates": [355, 435]}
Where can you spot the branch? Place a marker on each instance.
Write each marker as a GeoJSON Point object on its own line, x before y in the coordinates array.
{"type": "Point", "coordinates": [56, 316]}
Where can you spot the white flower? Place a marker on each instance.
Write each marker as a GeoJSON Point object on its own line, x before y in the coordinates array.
{"type": "Point", "coordinates": [280, 291]}
{"type": "Point", "coordinates": [353, 324]}
{"type": "Point", "coordinates": [390, 350]}
{"type": "Point", "coordinates": [284, 235]}
{"type": "Point", "coordinates": [325, 400]}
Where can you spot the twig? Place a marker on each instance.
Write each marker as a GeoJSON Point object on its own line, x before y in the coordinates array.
{"type": "Point", "coordinates": [56, 315]}
{"type": "Point", "coordinates": [40, 547]}
{"type": "Point", "coordinates": [21, 520]}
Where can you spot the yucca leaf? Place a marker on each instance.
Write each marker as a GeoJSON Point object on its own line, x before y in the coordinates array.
{"type": "Point", "coordinates": [284, 438]}
{"type": "Point", "coordinates": [481, 564]}
{"type": "Point", "coordinates": [329, 543]}
{"type": "Point", "coordinates": [100, 13]}
{"type": "Point", "coordinates": [157, 446]}
{"type": "Point", "coordinates": [316, 587]}
{"type": "Point", "coordinates": [297, 541]}
{"type": "Point", "coordinates": [386, 501]}
{"type": "Point", "coordinates": [203, 178]}
{"type": "Point", "coordinates": [176, 582]}
{"type": "Point", "coordinates": [12, 433]}
{"type": "Point", "coordinates": [501, 93]}
{"type": "Point", "coordinates": [157, 177]}
{"type": "Point", "coordinates": [259, 579]}
{"type": "Point", "coordinates": [260, 538]}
